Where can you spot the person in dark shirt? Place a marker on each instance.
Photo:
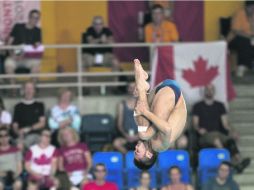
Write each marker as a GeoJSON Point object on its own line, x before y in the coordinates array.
{"type": "Point", "coordinates": [222, 181]}
{"type": "Point", "coordinates": [98, 34]}
{"type": "Point", "coordinates": [24, 33]}
{"type": "Point", "coordinates": [126, 125]}
{"type": "Point", "coordinates": [29, 116]}
{"type": "Point", "coordinates": [211, 123]}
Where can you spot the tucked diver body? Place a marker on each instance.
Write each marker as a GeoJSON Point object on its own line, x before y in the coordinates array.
{"type": "Point", "coordinates": [160, 116]}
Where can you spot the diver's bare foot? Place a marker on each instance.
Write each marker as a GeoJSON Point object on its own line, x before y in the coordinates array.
{"type": "Point", "coordinates": [140, 77]}
{"type": "Point", "coordinates": [138, 66]}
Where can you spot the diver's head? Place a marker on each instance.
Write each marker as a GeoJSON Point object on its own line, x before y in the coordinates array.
{"type": "Point", "coordinates": [144, 156]}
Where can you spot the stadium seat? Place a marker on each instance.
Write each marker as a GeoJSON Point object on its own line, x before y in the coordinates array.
{"type": "Point", "coordinates": [209, 160]}
{"type": "Point", "coordinates": [114, 164]}
{"type": "Point", "coordinates": [97, 130]}
{"type": "Point", "coordinates": [133, 173]}
{"type": "Point", "coordinates": [171, 158]}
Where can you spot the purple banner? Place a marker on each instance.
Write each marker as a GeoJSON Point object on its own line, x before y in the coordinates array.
{"type": "Point", "coordinates": [189, 19]}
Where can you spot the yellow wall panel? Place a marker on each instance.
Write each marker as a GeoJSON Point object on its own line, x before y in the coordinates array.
{"type": "Point", "coordinates": [213, 10]}
{"type": "Point", "coordinates": [49, 62]}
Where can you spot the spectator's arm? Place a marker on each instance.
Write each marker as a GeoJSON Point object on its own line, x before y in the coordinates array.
{"type": "Point", "coordinates": [42, 119]}
{"type": "Point", "coordinates": [89, 161]}
{"type": "Point", "coordinates": [148, 34]}
{"type": "Point", "coordinates": [225, 123]}
{"type": "Point", "coordinates": [92, 40]}
{"type": "Point", "coordinates": [174, 33]}
{"type": "Point", "coordinates": [60, 163]}
{"type": "Point", "coordinates": [54, 164]}
{"type": "Point", "coordinates": [40, 124]}
{"type": "Point", "coordinates": [195, 122]}
{"type": "Point", "coordinates": [28, 168]}
{"type": "Point", "coordinates": [110, 39]}
{"type": "Point", "coordinates": [76, 120]}
{"type": "Point", "coordinates": [53, 124]}
{"type": "Point", "coordinates": [19, 164]}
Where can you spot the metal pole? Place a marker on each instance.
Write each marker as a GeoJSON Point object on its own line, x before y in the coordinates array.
{"type": "Point", "coordinates": [80, 70]}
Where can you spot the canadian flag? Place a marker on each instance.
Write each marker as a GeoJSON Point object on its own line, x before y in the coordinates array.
{"type": "Point", "coordinates": [193, 66]}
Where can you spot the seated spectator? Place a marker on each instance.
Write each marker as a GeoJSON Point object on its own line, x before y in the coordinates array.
{"type": "Point", "coordinates": [223, 180]}
{"type": "Point", "coordinates": [64, 114]}
{"type": "Point", "coordinates": [126, 124]}
{"type": "Point", "coordinates": [62, 182]}
{"type": "Point", "coordinates": [29, 116]}
{"type": "Point", "coordinates": [145, 180]}
{"type": "Point", "coordinates": [5, 116]}
{"type": "Point", "coordinates": [211, 123]}
{"type": "Point", "coordinates": [241, 38]}
{"type": "Point", "coordinates": [10, 162]}
{"type": "Point", "coordinates": [99, 34]}
{"type": "Point", "coordinates": [74, 157]}
{"type": "Point", "coordinates": [41, 161]}
{"type": "Point", "coordinates": [100, 182]}
{"type": "Point", "coordinates": [25, 33]}
{"type": "Point", "coordinates": [175, 180]}
{"type": "Point", "coordinates": [160, 30]}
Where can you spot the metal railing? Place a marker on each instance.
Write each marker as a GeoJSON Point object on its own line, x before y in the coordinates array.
{"type": "Point", "coordinates": [79, 74]}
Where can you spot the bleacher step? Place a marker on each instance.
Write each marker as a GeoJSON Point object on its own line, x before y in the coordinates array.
{"type": "Point", "coordinates": [244, 179]}
{"type": "Point", "coordinates": [244, 90]}
{"type": "Point", "coordinates": [241, 116]}
{"type": "Point", "coordinates": [242, 104]}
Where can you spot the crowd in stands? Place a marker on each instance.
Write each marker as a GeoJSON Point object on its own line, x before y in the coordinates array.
{"type": "Point", "coordinates": [44, 152]}
{"type": "Point", "coordinates": [40, 151]}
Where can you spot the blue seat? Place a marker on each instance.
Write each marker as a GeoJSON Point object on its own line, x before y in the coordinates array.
{"type": "Point", "coordinates": [209, 160]}
{"type": "Point", "coordinates": [171, 158]}
{"type": "Point", "coordinates": [114, 164]}
{"type": "Point", "coordinates": [133, 173]}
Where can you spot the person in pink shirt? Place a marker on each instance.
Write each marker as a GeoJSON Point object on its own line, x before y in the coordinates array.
{"type": "Point", "coordinates": [74, 157]}
{"type": "Point", "coordinates": [100, 182]}
{"type": "Point", "coordinates": [41, 161]}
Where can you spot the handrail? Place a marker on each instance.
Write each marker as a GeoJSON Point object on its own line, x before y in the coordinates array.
{"type": "Point", "coordinates": [69, 74]}
{"type": "Point", "coordinates": [79, 83]}
{"type": "Point", "coordinates": [9, 47]}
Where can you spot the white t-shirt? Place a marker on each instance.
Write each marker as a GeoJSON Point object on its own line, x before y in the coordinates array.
{"type": "Point", "coordinates": [5, 118]}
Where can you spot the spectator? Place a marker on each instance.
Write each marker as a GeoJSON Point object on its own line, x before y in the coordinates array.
{"type": "Point", "coordinates": [5, 116]}
{"type": "Point", "coordinates": [222, 180]}
{"type": "Point", "coordinates": [211, 123]}
{"type": "Point", "coordinates": [99, 34]}
{"type": "Point", "coordinates": [100, 182]}
{"type": "Point", "coordinates": [65, 114]}
{"type": "Point", "coordinates": [75, 158]}
{"type": "Point", "coordinates": [62, 182]}
{"type": "Point", "coordinates": [175, 180]}
{"type": "Point", "coordinates": [145, 181]}
{"type": "Point", "coordinates": [241, 37]}
{"type": "Point", "coordinates": [25, 33]}
{"type": "Point", "coordinates": [126, 124]}
{"type": "Point", "coordinates": [10, 162]}
{"type": "Point", "coordinates": [41, 161]}
{"type": "Point", "coordinates": [160, 30]}
{"type": "Point", "coordinates": [29, 117]}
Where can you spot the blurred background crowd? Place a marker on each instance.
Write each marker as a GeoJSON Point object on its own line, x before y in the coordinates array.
{"type": "Point", "coordinates": [63, 137]}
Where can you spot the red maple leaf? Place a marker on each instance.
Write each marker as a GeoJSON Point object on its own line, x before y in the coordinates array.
{"type": "Point", "coordinates": [201, 75]}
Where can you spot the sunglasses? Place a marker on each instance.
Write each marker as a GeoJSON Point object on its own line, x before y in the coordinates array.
{"type": "Point", "coordinates": [100, 170]}
{"type": "Point", "coordinates": [46, 135]}
{"type": "Point", "coordinates": [4, 135]}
